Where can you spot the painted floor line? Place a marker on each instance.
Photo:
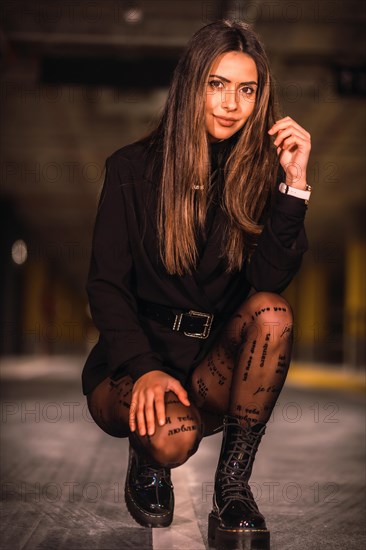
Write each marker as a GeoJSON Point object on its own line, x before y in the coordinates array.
{"type": "Point", "coordinates": [184, 532]}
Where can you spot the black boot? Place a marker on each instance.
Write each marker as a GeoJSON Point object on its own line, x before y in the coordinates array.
{"type": "Point", "coordinates": [235, 521]}
{"type": "Point", "coordinates": [148, 491]}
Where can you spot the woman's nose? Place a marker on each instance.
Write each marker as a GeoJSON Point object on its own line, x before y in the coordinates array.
{"type": "Point", "coordinates": [229, 99]}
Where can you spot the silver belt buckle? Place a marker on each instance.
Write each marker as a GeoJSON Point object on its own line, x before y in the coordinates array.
{"type": "Point", "coordinates": [206, 327]}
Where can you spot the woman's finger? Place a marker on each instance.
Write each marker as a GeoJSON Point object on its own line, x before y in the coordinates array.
{"type": "Point", "coordinates": [287, 132]}
{"type": "Point", "coordinates": [141, 417]}
{"type": "Point", "coordinates": [132, 414]}
{"type": "Point", "coordinates": [150, 413]}
{"type": "Point", "coordinates": [292, 140]}
{"type": "Point", "coordinates": [291, 129]}
{"type": "Point", "coordinates": [180, 392]}
{"type": "Point", "coordinates": [160, 407]}
{"type": "Point", "coordinates": [285, 123]}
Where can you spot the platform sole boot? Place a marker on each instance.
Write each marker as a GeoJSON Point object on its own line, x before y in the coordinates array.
{"type": "Point", "coordinates": [235, 523]}
{"type": "Point", "coordinates": [149, 492]}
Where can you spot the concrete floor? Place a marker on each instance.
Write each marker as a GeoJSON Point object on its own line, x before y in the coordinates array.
{"type": "Point", "coordinates": [62, 477]}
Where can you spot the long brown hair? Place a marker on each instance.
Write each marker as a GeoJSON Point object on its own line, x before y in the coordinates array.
{"type": "Point", "coordinates": [251, 165]}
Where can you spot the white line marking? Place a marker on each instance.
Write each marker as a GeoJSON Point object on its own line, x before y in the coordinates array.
{"type": "Point", "coordinates": [184, 532]}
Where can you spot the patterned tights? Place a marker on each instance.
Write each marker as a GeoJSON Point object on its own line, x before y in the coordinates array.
{"type": "Point", "coordinates": [243, 375]}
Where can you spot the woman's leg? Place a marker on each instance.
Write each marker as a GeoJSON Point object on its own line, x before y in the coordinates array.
{"type": "Point", "coordinates": [242, 378]}
{"type": "Point", "coordinates": [170, 446]}
{"type": "Point", "coordinates": [149, 492]}
{"type": "Point", "coordinates": [246, 369]}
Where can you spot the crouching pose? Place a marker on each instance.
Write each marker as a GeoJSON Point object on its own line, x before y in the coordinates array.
{"type": "Point", "coordinates": [200, 227]}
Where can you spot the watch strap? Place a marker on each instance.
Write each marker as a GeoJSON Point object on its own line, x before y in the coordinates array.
{"type": "Point", "coordinates": [294, 192]}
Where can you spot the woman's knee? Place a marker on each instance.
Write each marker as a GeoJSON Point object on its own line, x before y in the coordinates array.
{"type": "Point", "coordinates": [259, 314]}
{"type": "Point", "coordinates": [174, 447]}
{"type": "Point", "coordinates": [172, 444]}
{"type": "Point", "coordinates": [269, 310]}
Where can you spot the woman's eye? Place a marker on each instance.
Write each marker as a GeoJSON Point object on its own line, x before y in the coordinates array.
{"type": "Point", "coordinates": [215, 84]}
{"type": "Point", "coordinates": [248, 91]}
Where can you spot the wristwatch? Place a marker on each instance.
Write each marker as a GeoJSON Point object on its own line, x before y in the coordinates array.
{"type": "Point", "coordinates": [294, 192]}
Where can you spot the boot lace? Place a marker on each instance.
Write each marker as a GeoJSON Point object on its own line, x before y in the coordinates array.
{"type": "Point", "coordinates": [234, 469]}
{"type": "Point", "coordinates": [160, 474]}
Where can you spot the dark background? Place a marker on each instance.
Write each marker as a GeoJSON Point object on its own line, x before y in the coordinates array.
{"type": "Point", "coordinates": [81, 79]}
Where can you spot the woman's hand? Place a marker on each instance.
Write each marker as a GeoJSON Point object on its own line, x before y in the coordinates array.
{"type": "Point", "coordinates": [293, 146]}
{"type": "Point", "coordinates": [147, 394]}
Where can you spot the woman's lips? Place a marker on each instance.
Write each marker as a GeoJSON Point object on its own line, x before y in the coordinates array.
{"type": "Point", "coordinates": [227, 122]}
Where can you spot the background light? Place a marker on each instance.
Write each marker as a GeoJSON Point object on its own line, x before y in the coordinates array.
{"type": "Point", "coordinates": [133, 15]}
{"type": "Point", "coordinates": [19, 252]}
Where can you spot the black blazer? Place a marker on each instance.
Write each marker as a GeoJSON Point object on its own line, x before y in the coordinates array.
{"type": "Point", "coordinates": [125, 267]}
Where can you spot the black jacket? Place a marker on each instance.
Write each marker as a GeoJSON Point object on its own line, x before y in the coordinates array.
{"type": "Point", "coordinates": [125, 268]}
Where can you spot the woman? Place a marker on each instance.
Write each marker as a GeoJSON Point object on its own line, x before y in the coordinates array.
{"type": "Point", "coordinates": [197, 233]}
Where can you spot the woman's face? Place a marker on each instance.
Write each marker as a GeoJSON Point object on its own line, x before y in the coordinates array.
{"type": "Point", "coordinates": [231, 93]}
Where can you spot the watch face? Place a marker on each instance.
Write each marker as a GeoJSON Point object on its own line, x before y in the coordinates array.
{"type": "Point", "coordinates": [283, 187]}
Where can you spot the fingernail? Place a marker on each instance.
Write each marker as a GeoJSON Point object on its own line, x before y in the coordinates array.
{"type": "Point", "coordinates": [161, 422]}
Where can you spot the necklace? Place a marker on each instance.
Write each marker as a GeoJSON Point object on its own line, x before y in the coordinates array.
{"type": "Point", "coordinates": [202, 187]}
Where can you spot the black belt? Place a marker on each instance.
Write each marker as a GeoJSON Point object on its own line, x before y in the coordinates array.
{"type": "Point", "coordinates": [195, 324]}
